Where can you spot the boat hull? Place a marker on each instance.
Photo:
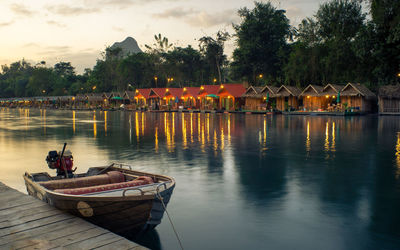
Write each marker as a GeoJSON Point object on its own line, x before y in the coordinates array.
{"type": "Point", "coordinates": [127, 213]}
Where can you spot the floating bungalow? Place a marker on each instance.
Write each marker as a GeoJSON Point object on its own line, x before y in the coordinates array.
{"type": "Point", "coordinates": [189, 97]}
{"type": "Point", "coordinates": [312, 99]}
{"type": "Point", "coordinates": [357, 98]}
{"type": "Point", "coordinates": [389, 100]}
{"type": "Point", "coordinates": [254, 100]}
{"type": "Point", "coordinates": [331, 93]}
{"type": "Point", "coordinates": [230, 96]}
{"type": "Point", "coordinates": [269, 93]}
{"type": "Point", "coordinates": [95, 100]}
{"type": "Point", "coordinates": [287, 98]}
{"type": "Point", "coordinates": [155, 98]}
{"type": "Point", "coordinates": [173, 98]}
{"type": "Point", "coordinates": [141, 97]}
{"type": "Point", "coordinates": [208, 97]}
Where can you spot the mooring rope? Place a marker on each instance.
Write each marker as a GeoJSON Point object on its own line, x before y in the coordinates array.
{"type": "Point", "coordinates": [170, 220]}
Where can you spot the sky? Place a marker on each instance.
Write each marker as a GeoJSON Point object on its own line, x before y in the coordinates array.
{"type": "Point", "coordinates": [78, 31]}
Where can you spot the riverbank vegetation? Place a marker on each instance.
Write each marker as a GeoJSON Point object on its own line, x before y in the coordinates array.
{"type": "Point", "coordinates": [339, 44]}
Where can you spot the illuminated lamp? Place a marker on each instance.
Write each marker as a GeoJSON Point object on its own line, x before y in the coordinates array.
{"type": "Point", "coordinates": [198, 98]}
{"type": "Point", "coordinates": [184, 89]}
{"type": "Point", "coordinates": [165, 98]}
{"type": "Point", "coordinates": [222, 86]}
{"type": "Point", "coordinates": [137, 91]}
{"type": "Point", "coordinates": [166, 90]}
{"type": "Point", "coordinates": [308, 97]}
{"type": "Point", "coordinates": [105, 100]}
{"type": "Point", "coordinates": [333, 96]}
{"type": "Point", "coordinates": [327, 96]}
{"type": "Point", "coordinates": [183, 98]}
{"type": "Point", "coordinates": [201, 87]}
{"type": "Point", "coordinates": [73, 98]}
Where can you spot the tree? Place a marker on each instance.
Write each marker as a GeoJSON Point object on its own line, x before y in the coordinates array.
{"type": "Point", "coordinates": [213, 51]}
{"type": "Point", "coordinates": [261, 38]}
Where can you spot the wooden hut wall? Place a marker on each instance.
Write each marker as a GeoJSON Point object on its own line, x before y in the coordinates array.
{"type": "Point", "coordinates": [252, 103]}
{"type": "Point", "coordinates": [387, 105]}
{"type": "Point", "coordinates": [292, 102]}
{"type": "Point", "coordinates": [359, 102]}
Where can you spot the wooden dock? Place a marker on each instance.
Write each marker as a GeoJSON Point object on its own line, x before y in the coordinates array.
{"type": "Point", "coordinates": [28, 223]}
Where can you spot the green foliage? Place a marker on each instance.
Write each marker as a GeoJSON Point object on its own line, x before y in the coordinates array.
{"type": "Point", "coordinates": [261, 38]}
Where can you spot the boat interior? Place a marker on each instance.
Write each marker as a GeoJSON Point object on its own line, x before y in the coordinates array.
{"type": "Point", "coordinates": [103, 182]}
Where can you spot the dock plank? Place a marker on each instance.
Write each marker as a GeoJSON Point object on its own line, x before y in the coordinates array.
{"type": "Point", "coordinates": [28, 223]}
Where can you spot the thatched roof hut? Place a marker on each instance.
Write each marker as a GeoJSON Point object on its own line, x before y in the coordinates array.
{"type": "Point", "coordinates": [358, 97]}
{"type": "Point", "coordinates": [253, 92]}
{"type": "Point", "coordinates": [389, 99]}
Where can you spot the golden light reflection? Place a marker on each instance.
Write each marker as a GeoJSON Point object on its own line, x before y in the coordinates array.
{"type": "Point", "coordinates": [137, 126]}
{"type": "Point", "coordinates": [215, 142]}
{"type": "Point", "coordinates": [94, 125]}
{"type": "Point", "coordinates": [156, 140]}
{"type": "Point", "coordinates": [333, 145]}
{"type": "Point", "coordinates": [191, 127]}
{"type": "Point", "coordinates": [229, 129]}
{"type": "Point", "coordinates": [222, 138]}
{"type": "Point", "coordinates": [143, 123]}
{"type": "Point", "coordinates": [327, 137]}
{"type": "Point", "coordinates": [73, 121]}
{"type": "Point", "coordinates": [208, 127]}
{"type": "Point", "coordinates": [105, 122]}
{"type": "Point", "coordinates": [198, 127]}
{"type": "Point", "coordinates": [184, 131]}
{"type": "Point", "coordinates": [397, 154]}
{"type": "Point", "coordinates": [308, 141]}
{"type": "Point", "coordinates": [203, 140]}
{"type": "Point", "coordinates": [130, 129]}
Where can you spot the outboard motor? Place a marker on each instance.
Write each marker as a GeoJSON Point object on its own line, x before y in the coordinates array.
{"type": "Point", "coordinates": [52, 159]}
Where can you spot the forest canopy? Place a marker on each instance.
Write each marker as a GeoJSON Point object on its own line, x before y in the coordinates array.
{"type": "Point", "coordinates": [338, 44]}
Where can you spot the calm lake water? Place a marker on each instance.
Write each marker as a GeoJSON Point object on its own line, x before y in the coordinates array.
{"type": "Point", "coordinates": [243, 181]}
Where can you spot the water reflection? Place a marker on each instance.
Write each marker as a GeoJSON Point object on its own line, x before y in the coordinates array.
{"type": "Point", "coordinates": [397, 154]}
{"type": "Point", "coordinates": [220, 162]}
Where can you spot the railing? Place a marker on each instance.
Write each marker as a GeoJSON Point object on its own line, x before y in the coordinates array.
{"type": "Point", "coordinates": [143, 192]}
{"type": "Point", "coordinates": [391, 110]}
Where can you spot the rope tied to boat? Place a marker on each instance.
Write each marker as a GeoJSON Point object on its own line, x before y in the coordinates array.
{"type": "Point", "coordinates": [169, 218]}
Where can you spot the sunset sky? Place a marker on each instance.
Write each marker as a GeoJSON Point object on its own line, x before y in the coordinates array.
{"type": "Point", "coordinates": [77, 31]}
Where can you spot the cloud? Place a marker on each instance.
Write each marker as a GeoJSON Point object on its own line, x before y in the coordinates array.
{"type": "Point", "coordinates": [200, 18]}
{"type": "Point", "coordinates": [54, 23]}
{"type": "Point", "coordinates": [112, 3]}
{"type": "Point", "coordinates": [175, 13]}
{"type": "Point", "coordinates": [204, 19]}
{"type": "Point", "coordinates": [295, 14]}
{"type": "Point", "coordinates": [66, 10]}
{"type": "Point", "coordinates": [5, 24]}
{"type": "Point", "coordinates": [21, 10]}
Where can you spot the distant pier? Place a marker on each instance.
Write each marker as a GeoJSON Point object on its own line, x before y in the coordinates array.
{"type": "Point", "coordinates": [26, 222]}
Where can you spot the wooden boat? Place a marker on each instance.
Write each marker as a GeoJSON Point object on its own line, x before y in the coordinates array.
{"type": "Point", "coordinates": [114, 197]}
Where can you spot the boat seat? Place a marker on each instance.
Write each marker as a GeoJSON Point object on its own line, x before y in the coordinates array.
{"type": "Point", "coordinates": [142, 180]}
{"type": "Point", "coordinates": [81, 182]}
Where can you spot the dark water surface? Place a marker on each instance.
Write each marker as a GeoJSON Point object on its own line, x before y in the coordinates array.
{"type": "Point", "coordinates": [243, 181]}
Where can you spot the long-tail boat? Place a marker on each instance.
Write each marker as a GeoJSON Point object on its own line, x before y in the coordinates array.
{"type": "Point", "coordinates": [115, 197]}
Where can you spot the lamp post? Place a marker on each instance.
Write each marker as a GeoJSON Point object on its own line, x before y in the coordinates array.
{"type": "Point", "coordinates": [155, 80]}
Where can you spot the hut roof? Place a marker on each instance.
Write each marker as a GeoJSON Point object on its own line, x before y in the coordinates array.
{"type": "Point", "coordinates": [272, 90]}
{"type": "Point", "coordinates": [234, 89]}
{"type": "Point", "coordinates": [332, 89]}
{"type": "Point", "coordinates": [128, 94]}
{"type": "Point", "coordinates": [95, 98]}
{"type": "Point", "coordinates": [390, 92]}
{"type": "Point", "coordinates": [65, 98]}
{"type": "Point", "coordinates": [285, 91]}
{"type": "Point", "coordinates": [356, 89]}
{"type": "Point", "coordinates": [142, 92]}
{"type": "Point", "coordinates": [157, 92]}
{"type": "Point", "coordinates": [208, 90]}
{"type": "Point", "coordinates": [107, 95]}
{"type": "Point", "coordinates": [312, 90]}
{"type": "Point", "coordinates": [191, 91]}
{"type": "Point", "coordinates": [175, 92]}
{"type": "Point", "coordinates": [253, 92]}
